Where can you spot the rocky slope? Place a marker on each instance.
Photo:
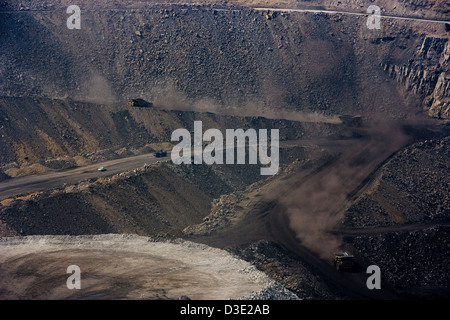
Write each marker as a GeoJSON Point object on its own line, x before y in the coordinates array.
{"type": "Point", "coordinates": [427, 75]}
{"type": "Point", "coordinates": [416, 263]}
{"type": "Point", "coordinates": [154, 199]}
{"type": "Point", "coordinates": [411, 188]}
{"type": "Point", "coordinates": [295, 275]}
{"type": "Point", "coordinates": [398, 220]}
{"type": "Point", "coordinates": [57, 134]}
{"type": "Point", "coordinates": [210, 59]}
{"type": "Point", "coordinates": [403, 220]}
{"type": "Point", "coordinates": [63, 104]}
{"type": "Point", "coordinates": [149, 201]}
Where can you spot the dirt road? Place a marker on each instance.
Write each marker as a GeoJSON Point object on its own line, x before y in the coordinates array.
{"type": "Point", "coordinates": [302, 212]}
{"type": "Point", "coordinates": [27, 184]}
{"type": "Point", "coordinates": [383, 16]}
{"type": "Point", "coordinates": [34, 183]}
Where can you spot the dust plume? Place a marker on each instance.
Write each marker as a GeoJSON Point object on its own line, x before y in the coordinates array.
{"type": "Point", "coordinates": [315, 202]}
{"type": "Point", "coordinates": [169, 98]}
{"type": "Point", "coordinates": [97, 89]}
{"type": "Point", "coordinates": [299, 116]}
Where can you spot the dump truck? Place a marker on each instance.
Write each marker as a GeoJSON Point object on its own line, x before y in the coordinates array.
{"type": "Point", "coordinates": [351, 120]}
{"type": "Point", "coordinates": [161, 153]}
{"type": "Point", "coordinates": [344, 261]}
{"type": "Point", "coordinates": [139, 103]}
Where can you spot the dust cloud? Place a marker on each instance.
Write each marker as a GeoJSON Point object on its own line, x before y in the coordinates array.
{"type": "Point", "coordinates": [315, 201]}
{"type": "Point", "coordinates": [100, 90]}
{"type": "Point", "coordinates": [169, 98]}
{"type": "Point", "coordinates": [97, 89]}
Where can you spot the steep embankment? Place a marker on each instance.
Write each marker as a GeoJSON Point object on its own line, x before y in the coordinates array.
{"type": "Point", "coordinates": [427, 75]}
{"type": "Point", "coordinates": [211, 58]}
{"type": "Point", "coordinates": [410, 188]}
{"type": "Point", "coordinates": [149, 201]}
{"type": "Point", "coordinates": [42, 130]}
{"type": "Point", "coordinates": [154, 199]}
{"type": "Point", "coordinates": [402, 220]}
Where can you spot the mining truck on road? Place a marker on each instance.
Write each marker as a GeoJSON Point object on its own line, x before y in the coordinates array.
{"type": "Point", "coordinates": [139, 103]}
{"type": "Point", "coordinates": [344, 261]}
{"type": "Point", "coordinates": [351, 121]}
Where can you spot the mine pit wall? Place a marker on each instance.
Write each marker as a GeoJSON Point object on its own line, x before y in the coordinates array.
{"type": "Point", "coordinates": [210, 59]}
{"type": "Point", "coordinates": [233, 60]}
{"type": "Point", "coordinates": [427, 75]}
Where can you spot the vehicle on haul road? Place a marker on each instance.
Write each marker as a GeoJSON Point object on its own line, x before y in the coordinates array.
{"type": "Point", "coordinates": [139, 103]}
{"type": "Point", "coordinates": [351, 121]}
{"type": "Point", "coordinates": [344, 261]}
{"type": "Point", "coordinates": [159, 154]}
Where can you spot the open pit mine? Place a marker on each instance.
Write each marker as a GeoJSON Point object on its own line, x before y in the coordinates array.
{"type": "Point", "coordinates": [217, 150]}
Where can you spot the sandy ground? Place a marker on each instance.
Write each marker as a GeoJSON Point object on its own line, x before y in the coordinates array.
{"type": "Point", "coordinates": [122, 267]}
